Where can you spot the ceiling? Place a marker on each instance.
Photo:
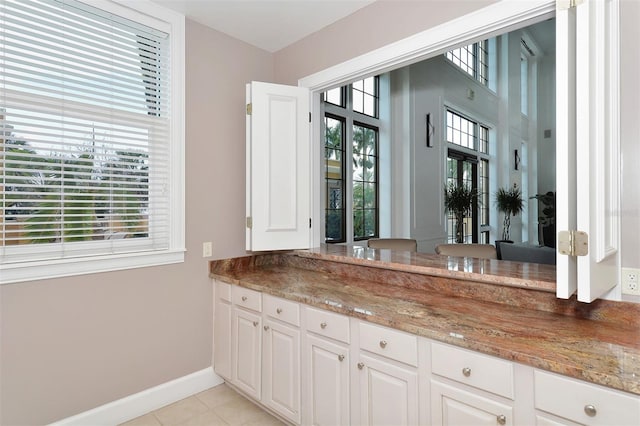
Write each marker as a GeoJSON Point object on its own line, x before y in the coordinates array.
{"type": "Point", "coordinates": [268, 24]}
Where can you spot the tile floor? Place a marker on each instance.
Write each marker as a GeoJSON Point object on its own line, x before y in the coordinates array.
{"type": "Point", "coordinates": [218, 406]}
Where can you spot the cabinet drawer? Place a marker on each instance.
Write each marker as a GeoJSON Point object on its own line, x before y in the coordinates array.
{"type": "Point", "coordinates": [328, 324]}
{"type": "Point", "coordinates": [283, 310]}
{"type": "Point", "coordinates": [223, 291]}
{"type": "Point", "coordinates": [474, 369]}
{"type": "Point", "coordinates": [246, 298]}
{"type": "Point", "coordinates": [390, 343]}
{"type": "Point", "coordinates": [584, 403]}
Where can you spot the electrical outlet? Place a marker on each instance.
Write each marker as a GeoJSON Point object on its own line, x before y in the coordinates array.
{"type": "Point", "coordinates": [207, 249]}
{"type": "Point", "coordinates": [631, 281]}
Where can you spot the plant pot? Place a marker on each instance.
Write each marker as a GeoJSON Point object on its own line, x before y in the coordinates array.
{"type": "Point", "coordinates": [549, 236]}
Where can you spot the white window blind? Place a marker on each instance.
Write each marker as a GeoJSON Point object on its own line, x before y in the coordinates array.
{"type": "Point", "coordinates": [84, 133]}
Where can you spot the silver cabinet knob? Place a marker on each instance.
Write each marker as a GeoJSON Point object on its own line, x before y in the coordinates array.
{"type": "Point", "coordinates": [279, 311]}
{"type": "Point", "coordinates": [255, 323]}
{"type": "Point", "coordinates": [340, 358]}
{"type": "Point", "coordinates": [466, 372]}
{"type": "Point", "coordinates": [383, 344]}
{"type": "Point", "coordinates": [501, 419]}
{"type": "Point", "coordinates": [360, 365]}
{"type": "Point", "coordinates": [244, 298]}
{"type": "Point", "coordinates": [266, 328]}
{"type": "Point", "coordinates": [590, 410]}
{"type": "Point", "coordinates": [323, 325]}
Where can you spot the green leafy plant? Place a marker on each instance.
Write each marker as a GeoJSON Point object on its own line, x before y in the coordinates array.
{"type": "Point", "coordinates": [548, 213]}
{"type": "Point", "coordinates": [458, 199]}
{"type": "Point", "coordinates": [508, 201]}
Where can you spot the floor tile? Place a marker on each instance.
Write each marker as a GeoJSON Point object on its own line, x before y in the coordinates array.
{"type": "Point", "coordinates": [146, 420]}
{"type": "Point", "coordinates": [208, 418]}
{"type": "Point", "coordinates": [180, 411]}
{"type": "Point", "coordinates": [239, 412]}
{"type": "Point", "coordinates": [218, 395]}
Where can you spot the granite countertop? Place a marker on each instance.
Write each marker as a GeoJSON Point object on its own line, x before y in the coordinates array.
{"type": "Point", "coordinates": [505, 309]}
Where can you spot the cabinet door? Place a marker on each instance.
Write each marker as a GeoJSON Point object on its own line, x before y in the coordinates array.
{"type": "Point", "coordinates": [247, 350]}
{"type": "Point", "coordinates": [588, 146]}
{"type": "Point", "coordinates": [222, 349]}
{"type": "Point", "coordinates": [278, 167]}
{"type": "Point", "coordinates": [327, 383]}
{"type": "Point", "coordinates": [281, 370]}
{"type": "Point", "coordinates": [388, 393]}
{"type": "Point", "coordinates": [452, 406]}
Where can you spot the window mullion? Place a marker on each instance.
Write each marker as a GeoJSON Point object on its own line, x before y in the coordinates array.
{"type": "Point", "coordinates": [348, 159]}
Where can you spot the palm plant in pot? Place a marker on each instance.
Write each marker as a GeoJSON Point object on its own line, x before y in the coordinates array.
{"type": "Point", "coordinates": [458, 200]}
{"type": "Point", "coordinates": [508, 201]}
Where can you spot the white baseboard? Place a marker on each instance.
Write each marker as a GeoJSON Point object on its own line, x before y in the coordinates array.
{"type": "Point", "coordinates": [136, 405]}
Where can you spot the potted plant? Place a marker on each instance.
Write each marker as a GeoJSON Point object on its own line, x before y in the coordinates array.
{"type": "Point", "coordinates": [508, 201]}
{"type": "Point", "coordinates": [547, 218]}
{"type": "Point", "coordinates": [458, 199]}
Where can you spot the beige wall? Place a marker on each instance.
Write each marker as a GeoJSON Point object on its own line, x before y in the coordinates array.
{"type": "Point", "coordinates": [374, 26]}
{"type": "Point", "coordinates": [68, 345]}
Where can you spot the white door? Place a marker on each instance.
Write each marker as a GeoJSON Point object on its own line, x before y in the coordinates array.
{"type": "Point", "coordinates": [587, 157]}
{"type": "Point", "coordinates": [278, 167]}
{"type": "Point", "coordinates": [451, 406]}
{"type": "Point", "coordinates": [597, 152]}
{"type": "Point", "coordinates": [247, 352]}
{"type": "Point", "coordinates": [281, 370]}
{"type": "Point", "coordinates": [388, 393]}
{"type": "Point", "coordinates": [327, 384]}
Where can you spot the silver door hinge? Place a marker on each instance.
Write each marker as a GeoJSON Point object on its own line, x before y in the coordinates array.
{"type": "Point", "coordinates": [249, 109]}
{"type": "Point", "coordinates": [249, 222]}
{"type": "Point", "coordinates": [567, 4]}
{"type": "Point", "coordinates": [573, 243]}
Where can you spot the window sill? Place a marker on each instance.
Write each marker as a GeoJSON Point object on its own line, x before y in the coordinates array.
{"type": "Point", "coordinates": [42, 270]}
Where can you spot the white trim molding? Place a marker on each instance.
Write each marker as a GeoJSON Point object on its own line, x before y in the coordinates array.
{"type": "Point", "coordinates": [151, 399]}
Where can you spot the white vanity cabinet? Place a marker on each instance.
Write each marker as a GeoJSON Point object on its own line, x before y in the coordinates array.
{"type": "Point", "coordinates": [257, 347]}
{"type": "Point", "coordinates": [326, 363]}
{"type": "Point", "coordinates": [562, 400]}
{"type": "Point", "coordinates": [387, 377]}
{"type": "Point", "coordinates": [222, 353]}
{"type": "Point", "coordinates": [281, 357]}
{"type": "Point", "coordinates": [316, 367]}
{"type": "Point", "coordinates": [470, 388]}
{"type": "Point", "coordinates": [246, 340]}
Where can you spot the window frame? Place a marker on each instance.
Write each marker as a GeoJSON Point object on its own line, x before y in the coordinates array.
{"type": "Point", "coordinates": [351, 118]}
{"type": "Point", "coordinates": [479, 157]}
{"type": "Point", "coordinates": [173, 23]}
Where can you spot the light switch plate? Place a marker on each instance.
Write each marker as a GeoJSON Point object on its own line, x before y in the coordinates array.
{"type": "Point", "coordinates": [207, 249]}
{"type": "Point", "coordinates": [631, 281]}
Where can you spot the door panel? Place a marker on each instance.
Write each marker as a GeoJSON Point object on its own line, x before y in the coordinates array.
{"type": "Point", "coordinates": [278, 167]}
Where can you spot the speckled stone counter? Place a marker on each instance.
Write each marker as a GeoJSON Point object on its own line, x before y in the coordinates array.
{"type": "Point", "coordinates": [505, 309]}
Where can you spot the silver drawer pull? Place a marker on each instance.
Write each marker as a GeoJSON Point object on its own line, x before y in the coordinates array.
{"type": "Point", "coordinates": [278, 311]}
{"type": "Point", "coordinates": [323, 325]}
{"type": "Point", "coordinates": [383, 344]}
{"type": "Point", "coordinates": [255, 323]}
{"type": "Point", "coordinates": [266, 328]}
{"type": "Point", "coordinates": [590, 410]}
{"type": "Point", "coordinates": [244, 298]}
{"type": "Point", "coordinates": [466, 372]}
{"type": "Point", "coordinates": [340, 358]}
{"type": "Point", "coordinates": [502, 419]}
{"type": "Point", "coordinates": [360, 365]}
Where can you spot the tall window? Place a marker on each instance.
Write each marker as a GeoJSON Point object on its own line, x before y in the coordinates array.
{"type": "Point", "coordinates": [468, 165]}
{"type": "Point", "coordinates": [85, 142]}
{"type": "Point", "coordinates": [351, 133]}
{"type": "Point", "coordinates": [473, 59]}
